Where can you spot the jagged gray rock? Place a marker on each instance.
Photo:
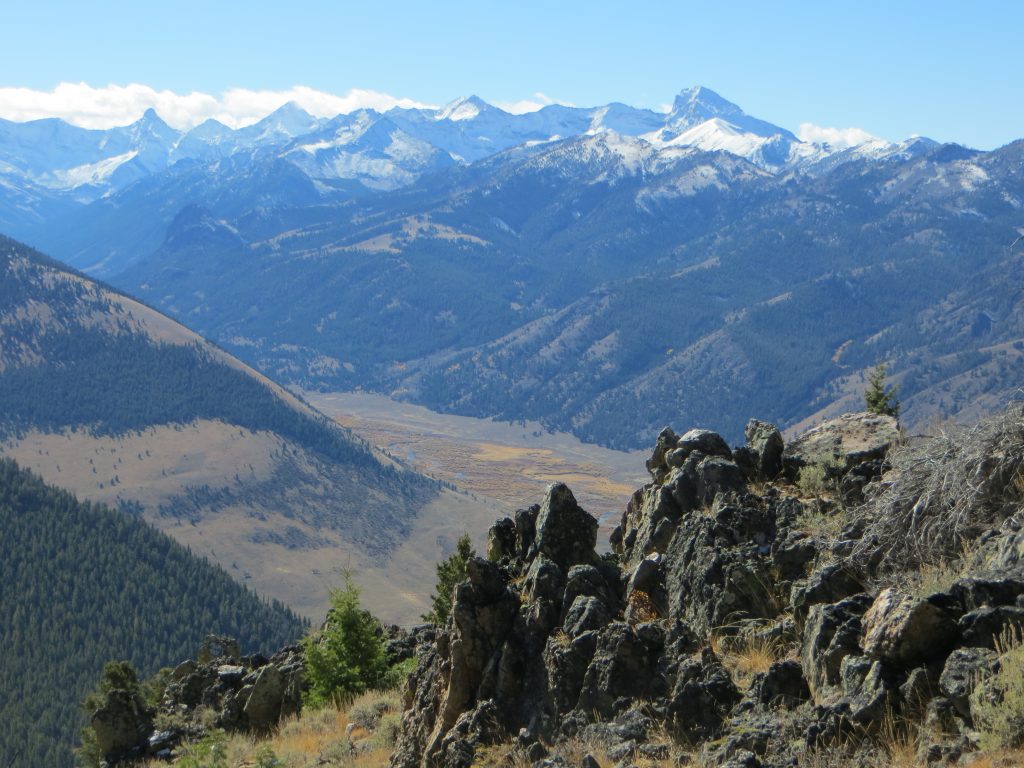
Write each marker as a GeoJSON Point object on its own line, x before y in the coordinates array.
{"type": "Point", "coordinates": [765, 443]}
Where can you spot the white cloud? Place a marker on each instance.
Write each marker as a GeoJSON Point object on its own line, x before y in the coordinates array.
{"type": "Point", "coordinates": [89, 107]}
{"type": "Point", "coordinates": [840, 138]}
{"type": "Point", "coordinates": [538, 101]}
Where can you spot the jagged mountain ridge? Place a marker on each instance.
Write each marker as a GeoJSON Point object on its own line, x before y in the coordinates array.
{"type": "Point", "coordinates": [65, 162]}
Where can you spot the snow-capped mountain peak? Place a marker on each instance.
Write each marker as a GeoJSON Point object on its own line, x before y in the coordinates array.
{"type": "Point", "coordinates": [289, 120]}
{"type": "Point", "coordinates": [698, 104]}
{"type": "Point", "coordinates": [463, 108]}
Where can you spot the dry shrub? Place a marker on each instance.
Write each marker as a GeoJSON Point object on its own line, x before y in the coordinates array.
{"type": "Point", "coordinates": [820, 520]}
{"type": "Point", "coordinates": [945, 490]}
{"type": "Point", "coordinates": [997, 704]}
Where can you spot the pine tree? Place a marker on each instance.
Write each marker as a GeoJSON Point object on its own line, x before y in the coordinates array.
{"type": "Point", "coordinates": [450, 572]}
{"type": "Point", "coordinates": [877, 397]}
{"type": "Point", "coordinates": [347, 657]}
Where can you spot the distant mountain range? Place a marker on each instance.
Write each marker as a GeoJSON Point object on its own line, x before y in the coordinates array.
{"type": "Point", "coordinates": [604, 270]}
{"type": "Point", "coordinates": [48, 165]}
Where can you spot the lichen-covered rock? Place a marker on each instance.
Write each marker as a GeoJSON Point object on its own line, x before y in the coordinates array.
{"type": "Point", "coordinates": [704, 440]}
{"type": "Point", "coordinates": [905, 630]}
{"type": "Point", "coordinates": [702, 697]}
{"type": "Point", "coordinates": [717, 569]}
{"type": "Point", "coordinates": [553, 642]}
{"type": "Point", "coordinates": [964, 669]}
{"type": "Point", "coordinates": [263, 705]}
{"type": "Point", "coordinates": [783, 684]}
{"type": "Point", "coordinates": [984, 627]}
{"type": "Point", "coordinates": [565, 532]}
{"type": "Point", "coordinates": [828, 584]}
{"type": "Point", "coordinates": [866, 690]}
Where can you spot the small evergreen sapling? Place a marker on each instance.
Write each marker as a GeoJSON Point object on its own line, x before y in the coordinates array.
{"type": "Point", "coordinates": [347, 657]}
{"type": "Point", "coordinates": [877, 397]}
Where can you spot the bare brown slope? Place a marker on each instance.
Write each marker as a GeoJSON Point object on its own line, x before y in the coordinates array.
{"type": "Point", "coordinates": [277, 511]}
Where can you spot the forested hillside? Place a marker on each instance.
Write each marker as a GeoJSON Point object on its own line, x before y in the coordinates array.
{"type": "Point", "coordinates": [80, 585]}
{"type": "Point", "coordinates": [121, 405]}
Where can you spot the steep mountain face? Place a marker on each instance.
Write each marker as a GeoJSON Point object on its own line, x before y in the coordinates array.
{"type": "Point", "coordinates": [596, 277]}
{"type": "Point", "coordinates": [576, 265]}
{"type": "Point", "coordinates": [125, 406]}
{"type": "Point", "coordinates": [84, 585]}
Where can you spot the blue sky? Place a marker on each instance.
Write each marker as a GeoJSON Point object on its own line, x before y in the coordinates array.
{"type": "Point", "coordinates": [949, 70]}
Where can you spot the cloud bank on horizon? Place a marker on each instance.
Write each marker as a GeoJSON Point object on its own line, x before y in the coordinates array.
{"type": "Point", "coordinates": [114, 105]}
{"type": "Point", "coordinates": [88, 107]}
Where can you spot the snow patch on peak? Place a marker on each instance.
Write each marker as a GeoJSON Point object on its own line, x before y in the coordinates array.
{"type": "Point", "coordinates": [461, 109]}
{"type": "Point", "coordinates": [89, 173]}
{"type": "Point", "coordinates": [712, 135]}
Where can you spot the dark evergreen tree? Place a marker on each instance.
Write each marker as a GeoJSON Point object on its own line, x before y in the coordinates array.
{"type": "Point", "coordinates": [450, 572]}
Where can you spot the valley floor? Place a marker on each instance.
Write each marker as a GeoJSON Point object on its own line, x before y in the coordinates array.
{"type": "Point", "coordinates": [510, 463]}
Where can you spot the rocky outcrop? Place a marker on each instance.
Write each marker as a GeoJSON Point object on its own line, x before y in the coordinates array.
{"type": "Point", "coordinates": [222, 689]}
{"type": "Point", "coordinates": [639, 650]}
{"type": "Point", "coordinates": [851, 439]}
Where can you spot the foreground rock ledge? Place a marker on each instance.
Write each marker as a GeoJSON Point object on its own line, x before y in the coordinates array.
{"type": "Point", "coordinates": [633, 652]}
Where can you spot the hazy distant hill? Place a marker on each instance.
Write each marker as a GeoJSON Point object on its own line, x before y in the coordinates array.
{"type": "Point", "coordinates": [83, 585]}
{"type": "Point", "coordinates": [121, 404]}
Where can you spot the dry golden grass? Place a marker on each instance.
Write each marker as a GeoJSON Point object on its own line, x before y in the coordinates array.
{"type": "Point", "coordinates": [745, 655]}
{"type": "Point", "coordinates": [318, 738]}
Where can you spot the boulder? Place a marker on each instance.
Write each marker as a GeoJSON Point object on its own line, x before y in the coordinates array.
{"type": "Point", "coordinates": [716, 570]}
{"type": "Point", "coordinates": [964, 669]}
{"type": "Point", "coordinates": [831, 633]}
{"type": "Point", "coordinates": [602, 583]}
{"type": "Point", "coordinates": [984, 627]}
{"type": "Point", "coordinates": [501, 540]}
{"type": "Point", "coordinates": [702, 697]}
{"type": "Point", "coordinates": [782, 685]}
{"type": "Point", "coordinates": [707, 442]}
{"type": "Point", "coordinates": [667, 441]}
{"type": "Point", "coordinates": [584, 615]}
{"type": "Point", "coordinates": [904, 630]}
{"type": "Point", "coordinates": [850, 439]}
{"type": "Point", "coordinates": [865, 690]}
{"type": "Point", "coordinates": [828, 584]}
{"type": "Point", "coordinates": [717, 475]}
{"type": "Point", "coordinates": [624, 667]}
{"type": "Point", "coordinates": [263, 706]}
